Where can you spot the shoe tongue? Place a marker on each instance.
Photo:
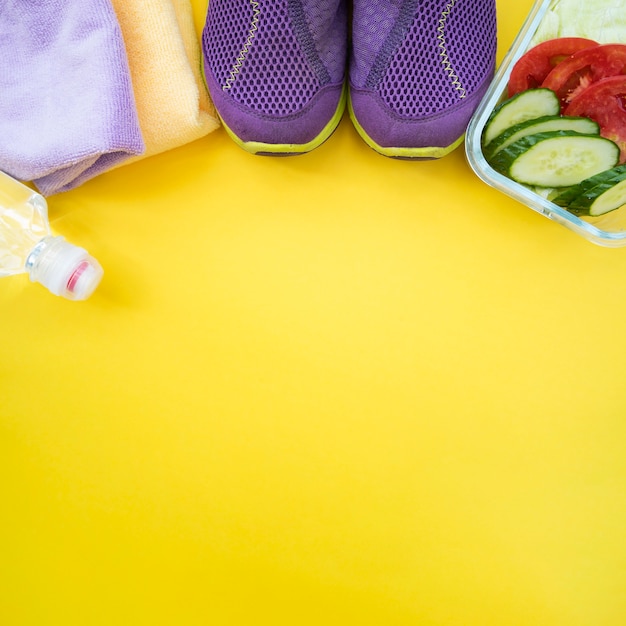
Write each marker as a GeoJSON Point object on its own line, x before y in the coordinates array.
{"type": "Point", "coordinates": [325, 24]}
{"type": "Point", "coordinates": [377, 27]}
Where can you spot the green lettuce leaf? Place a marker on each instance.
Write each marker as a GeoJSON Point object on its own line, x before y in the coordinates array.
{"type": "Point", "coordinates": [601, 20]}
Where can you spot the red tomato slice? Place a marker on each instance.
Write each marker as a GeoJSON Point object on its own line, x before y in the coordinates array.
{"type": "Point", "coordinates": [605, 102]}
{"type": "Point", "coordinates": [531, 69]}
{"type": "Point", "coordinates": [576, 73]}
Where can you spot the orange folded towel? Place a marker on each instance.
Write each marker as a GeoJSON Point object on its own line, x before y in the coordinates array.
{"type": "Point", "coordinates": [164, 57]}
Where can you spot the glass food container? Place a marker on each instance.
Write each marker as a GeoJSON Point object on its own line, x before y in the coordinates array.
{"type": "Point", "coordinates": [607, 230]}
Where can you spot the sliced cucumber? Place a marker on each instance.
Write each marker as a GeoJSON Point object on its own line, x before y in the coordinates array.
{"type": "Point", "coordinates": [568, 196]}
{"type": "Point", "coordinates": [560, 158]}
{"type": "Point", "coordinates": [545, 124]}
{"type": "Point", "coordinates": [596, 195]}
{"type": "Point", "coordinates": [523, 106]}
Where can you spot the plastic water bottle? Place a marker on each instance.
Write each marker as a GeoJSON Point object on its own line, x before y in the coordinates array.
{"type": "Point", "coordinates": [27, 245]}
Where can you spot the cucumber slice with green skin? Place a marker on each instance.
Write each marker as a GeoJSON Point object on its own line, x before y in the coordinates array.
{"type": "Point", "coordinates": [568, 196]}
{"type": "Point", "coordinates": [607, 198]}
{"type": "Point", "coordinates": [545, 124]}
{"type": "Point", "coordinates": [560, 158]}
{"type": "Point", "coordinates": [526, 105]}
{"type": "Point", "coordinates": [597, 195]}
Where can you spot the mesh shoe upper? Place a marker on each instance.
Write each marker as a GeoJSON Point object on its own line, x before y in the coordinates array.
{"type": "Point", "coordinates": [423, 56]}
{"type": "Point", "coordinates": [273, 56]}
{"type": "Point", "coordinates": [415, 60]}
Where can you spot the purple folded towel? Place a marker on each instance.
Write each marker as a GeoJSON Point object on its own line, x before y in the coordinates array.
{"type": "Point", "coordinates": [67, 109]}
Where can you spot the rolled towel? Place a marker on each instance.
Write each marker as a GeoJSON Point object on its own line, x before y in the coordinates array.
{"type": "Point", "coordinates": [67, 106]}
{"type": "Point", "coordinates": [165, 59]}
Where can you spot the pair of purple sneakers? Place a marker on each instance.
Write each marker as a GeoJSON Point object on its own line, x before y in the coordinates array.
{"type": "Point", "coordinates": [416, 70]}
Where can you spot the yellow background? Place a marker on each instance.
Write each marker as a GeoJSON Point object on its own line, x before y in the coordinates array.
{"type": "Point", "coordinates": [329, 389]}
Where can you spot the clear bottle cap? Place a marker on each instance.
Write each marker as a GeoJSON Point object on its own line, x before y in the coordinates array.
{"type": "Point", "coordinates": [63, 268]}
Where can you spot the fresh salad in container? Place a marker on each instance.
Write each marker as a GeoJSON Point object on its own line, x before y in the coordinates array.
{"type": "Point", "coordinates": [551, 131]}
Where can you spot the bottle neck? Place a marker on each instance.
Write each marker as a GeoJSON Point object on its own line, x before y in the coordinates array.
{"type": "Point", "coordinates": [32, 260]}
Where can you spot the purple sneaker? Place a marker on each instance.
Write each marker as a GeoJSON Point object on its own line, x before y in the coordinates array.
{"type": "Point", "coordinates": [418, 71]}
{"type": "Point", "coordinates": [275, 70]}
